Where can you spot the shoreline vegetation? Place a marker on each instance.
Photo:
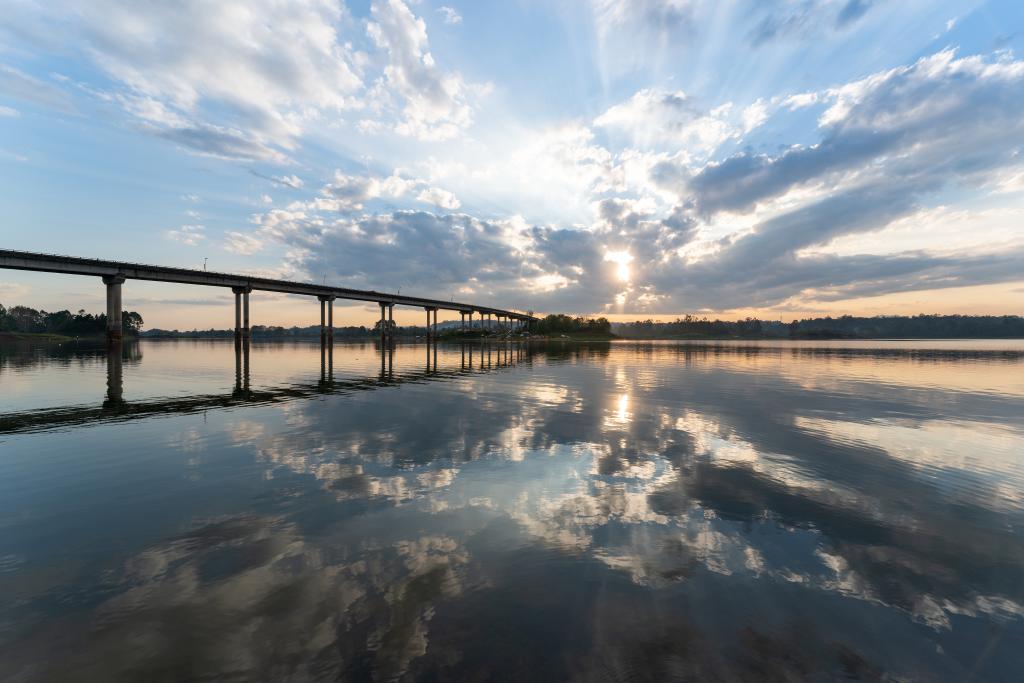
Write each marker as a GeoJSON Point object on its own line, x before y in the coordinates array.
{"type": "Point", "coordinates": [24, 323]}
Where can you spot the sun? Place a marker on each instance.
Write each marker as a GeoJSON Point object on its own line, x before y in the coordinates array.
{"type": "Point", "coordinates": [622, 260]}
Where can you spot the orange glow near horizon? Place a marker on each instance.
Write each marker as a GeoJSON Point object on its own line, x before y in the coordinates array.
{"type": "Point", "coordinates": [186, 307]}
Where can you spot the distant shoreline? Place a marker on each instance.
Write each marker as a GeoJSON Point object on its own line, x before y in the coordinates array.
{"type": "Point", "coordinates": [57, 338]}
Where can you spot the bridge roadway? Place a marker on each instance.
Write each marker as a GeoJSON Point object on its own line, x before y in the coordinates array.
{"type": "Point", "coordinates": [115, 273]}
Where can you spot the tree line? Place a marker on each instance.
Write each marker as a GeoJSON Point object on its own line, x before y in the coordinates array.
{"type": "Point", "coordinates": [81, 324]}
{"type": "Point", "coordinates": [843, 327]}
{"type": "Point", "coordinates": [569, 325]}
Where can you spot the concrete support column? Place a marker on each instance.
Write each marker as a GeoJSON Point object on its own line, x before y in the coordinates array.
{"type": "Point", "coordinates": [245, 312]}
{"type": "Point", "coordinates": [435, 326]}
{"type": "Point", "coordinates": [429, 335]}
{"type": "Point", "coordinates": [238, 311]}
{"type": "Point", "coordinates": [326, 316]}
{"type": "Point", "coordinates": [383, 330]}
{"type": "Point", "coordinates": [114, 328]}
{"type": "Point", "coordinates": [391, 322]}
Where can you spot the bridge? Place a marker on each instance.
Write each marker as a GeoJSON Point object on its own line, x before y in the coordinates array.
{"type": "Point", "coordinates": [116, 273]}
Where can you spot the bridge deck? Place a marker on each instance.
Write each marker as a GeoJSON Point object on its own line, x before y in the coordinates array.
{"type": "Point", "coordinates": [72, 265]}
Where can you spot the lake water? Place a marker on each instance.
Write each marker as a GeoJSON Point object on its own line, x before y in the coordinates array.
{"type": "Point", "coordinates": [626, 511]}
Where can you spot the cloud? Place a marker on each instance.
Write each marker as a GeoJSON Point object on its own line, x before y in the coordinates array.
{"type": "Point", "coordinates": [435, 104]}
{"type": "Point", "coordinates": [661, 118]}
{"type": "Point", "coordinates": [21, 86]}
{"type": "Point", "coordinates": [350, 193]}
{"type": "Point", "coordinates": [450, 16]}
{"type": "Point", "coordinates": [660, 15]}
{"type": "Point", "coordinates": [292, 181]}
{"type": "Point", "coordinates": [240, 243]}
{"type": "Point", "coordinates": [440, 198]}
{"type": "Point", "coordinates": [9, 112]}
{"type": "Point", "coordinates": [414, 249]}
{"type": "Point", "coordinates": [941, 119]}
{"type": "Point", "coordinates": [215, 141]}
{"type": "Point", "coordinates": [212, 76]}
{"type": "Point", "coordinates": [190, 235]}
{"type": "Point", "coordinates": [806, 19]}
{"type": "Point", "coordinates": [888, 143]}
{"type": "Point", "coordinates": [851, 11]}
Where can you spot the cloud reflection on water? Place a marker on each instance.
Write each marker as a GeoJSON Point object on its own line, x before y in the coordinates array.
{"type": "Point", "coordinates": [645, 512]}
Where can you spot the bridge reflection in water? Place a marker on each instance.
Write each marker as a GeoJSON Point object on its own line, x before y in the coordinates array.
{"type": "Point", "coordinates": [474, 358]}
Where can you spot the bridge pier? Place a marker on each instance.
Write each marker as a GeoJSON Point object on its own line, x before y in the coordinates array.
{"type": "Point", "coordinates": [387, 325]}
{"type": "Point", "coordinates": [326, 321]}
{"type": "Point", "coordinates": [114, 327]}
{"type": "Point", "coordinates": [238, 312]}
{"type": "Point", "coordinates": [241, 311]}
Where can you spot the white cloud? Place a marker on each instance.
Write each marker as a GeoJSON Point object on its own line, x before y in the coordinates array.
{"type": "Point", "coordinates": [240, 243]}
{"type": "Point", "coordinates": [801, 100]}
{"type": "Point", "coordinates": [9, 111]}
{"type": "Point", "coordinates": [236, 78]}
{"type": "Point", "coordinates": [440, 198]}
{"type": "Point", "coordinates": [350, 193]}
{"type": "Point", "coordinates": [190, 235]}
{"type": "Point", "coordinates": [664, 119]}
{"type": "Point", "coordinates": [292, 181]}
{"type": "Point", "coordinates": [449, 15]}
{"type": "Point", "coordinates": [435, 104]}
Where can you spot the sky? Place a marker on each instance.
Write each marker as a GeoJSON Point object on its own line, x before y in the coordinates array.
{"type": "Point", "coordinates": [642, 159]}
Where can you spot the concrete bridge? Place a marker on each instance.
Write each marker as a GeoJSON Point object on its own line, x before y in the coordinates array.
{"type": "Point", "coordinates": [115, 273]}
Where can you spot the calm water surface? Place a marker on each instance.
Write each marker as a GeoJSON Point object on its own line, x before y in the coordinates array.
{"type": "Point", "coordinates": [656, 511]}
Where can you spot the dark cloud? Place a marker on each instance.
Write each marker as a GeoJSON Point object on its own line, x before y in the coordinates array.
{"type": "Point", "coordinates": [806, 19]}
{"type": "Point", "coordinates": [219, 142]}
{"type": "Point", "coordinates": [412, 249]}
{"type": "Point", "coordinates": [852, 11]}
{"type": "Point", "coordinates": [292, 181]}
{"type": "Point", "coordinates": [942, 117]}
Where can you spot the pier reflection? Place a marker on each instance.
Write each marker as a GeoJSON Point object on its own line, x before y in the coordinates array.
{"type": "Point", "coordinates": [115, 406]}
